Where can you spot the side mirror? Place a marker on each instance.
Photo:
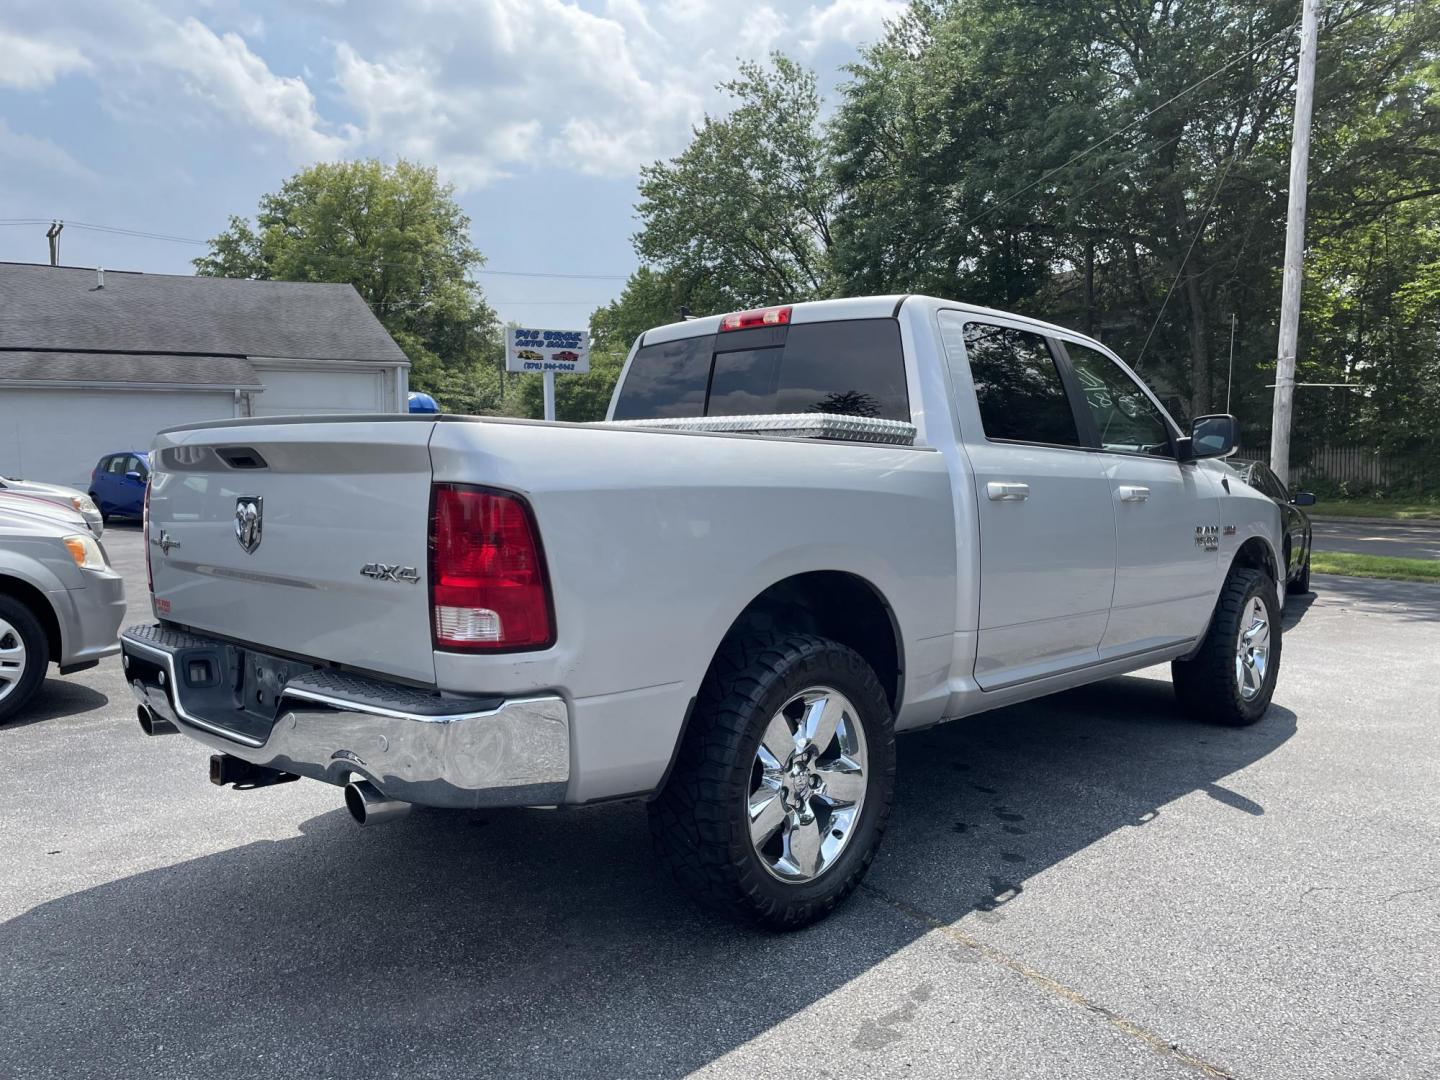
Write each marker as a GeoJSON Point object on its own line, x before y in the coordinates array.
{"type": "Point", "coordinates": [1303, 498]}
{"type": "Point", "coordinates": [1217, 435]}
{"type": "Point", "coordinates": [133, 475]}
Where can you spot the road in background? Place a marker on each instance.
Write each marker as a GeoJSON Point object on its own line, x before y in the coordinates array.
{"type": "Point", "coordinates": [1085, 886]}
{"type": "Point", "coordinates": [1395, 539]}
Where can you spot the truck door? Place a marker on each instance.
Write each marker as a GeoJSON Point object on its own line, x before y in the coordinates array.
{"type": "Point", "coordinates": [1047, 534]}
{"type": "Point", "coordinates": [1166, 513]}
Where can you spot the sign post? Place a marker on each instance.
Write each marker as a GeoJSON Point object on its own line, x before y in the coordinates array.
{"type": "Point", "coordinates": [548, 352]}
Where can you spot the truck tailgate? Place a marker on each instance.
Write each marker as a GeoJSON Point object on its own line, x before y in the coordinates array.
{"type": "Point", "coordinates": [304, 537]}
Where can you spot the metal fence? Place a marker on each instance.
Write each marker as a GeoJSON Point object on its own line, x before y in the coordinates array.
{"type": "Point", "coordinates": [1356, 467]}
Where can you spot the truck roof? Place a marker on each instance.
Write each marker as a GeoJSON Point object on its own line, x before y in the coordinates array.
{"type": "Point", "coordinates": [850, 307]}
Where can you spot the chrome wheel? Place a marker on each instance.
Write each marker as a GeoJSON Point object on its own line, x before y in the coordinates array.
{"type": "Point", "coordinates": [1252, 649]}
{"type": "Point", "coordinates": [807, 785]}
{"type": "Point", "coordinates": [12, 659]}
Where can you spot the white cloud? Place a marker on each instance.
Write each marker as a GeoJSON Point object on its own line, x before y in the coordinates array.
{"type": "Point", "coordinates": [31, 152]}
{"type": "Point", "coordinates": [763, 31]}
{"type": "Point", "coordinates": [483, 89]}
{"type": "Point", "coordinates": [223, 71]}
{"type": "Point", "coordinates": [30, 63]}
{"type": "Point", "coordinates": [503, 85]}
{"type": "Point", "coordinates": [852, 22]}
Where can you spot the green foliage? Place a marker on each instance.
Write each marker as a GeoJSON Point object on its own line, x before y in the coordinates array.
{"type": "Point", "coordinates": [1372, 296]}
{"type": "Point", "coordinates": [1379, 507]}
{"type": "Point", "coordinates": [747, 206]}
{"type": "Point", "coordinates": [1122, 169]}
{"type": "Point", "coordinates": [397, 235]}
{"type": "Point", "coordinates": [959, 149]}
{"type": "Point", "coordinates": [579, 398]}
{"type": "Point", "coordinates": [1375, 566]}
{"type": "Point", "coordinates": [653, 298]}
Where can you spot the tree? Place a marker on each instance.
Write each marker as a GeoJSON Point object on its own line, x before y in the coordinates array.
{"type": "Point", "coordinates": [1123, 168]}
{"type": "Point", "coordinates": [578, 398]}
{"type": "Point", "coordinates": [396, 233]}
{"type": "Point", "coordinates": [747, 207]}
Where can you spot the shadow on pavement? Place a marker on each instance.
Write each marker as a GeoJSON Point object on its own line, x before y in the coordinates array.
{"type": "Point", "coordinates": [59, 699]}
{"type": "Point", "coordinates": [1408, 601]}
{"type": "Point", "coordinates": [1295, 609]}
{"type": "Point", "coordinates": [546, 943]}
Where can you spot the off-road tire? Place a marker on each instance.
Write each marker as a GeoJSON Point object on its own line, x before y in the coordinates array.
{"type": "Point", "coordinates": [37, 655]}
{"type": "Point", "coordinates": [699, 821]}
{"type": "Point", "coordinates": [1206, 685]}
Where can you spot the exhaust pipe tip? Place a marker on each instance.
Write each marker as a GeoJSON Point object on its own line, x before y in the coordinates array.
{"type": "Point", "coordinates": [152, 723]}
{"type": "Point", "coordinates": [368, 805]}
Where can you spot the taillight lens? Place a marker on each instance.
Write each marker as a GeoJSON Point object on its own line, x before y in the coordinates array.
{"type": "Point", "coordinates": [488, 587]}
{"type": "Point", "coordinates": [764, 316]}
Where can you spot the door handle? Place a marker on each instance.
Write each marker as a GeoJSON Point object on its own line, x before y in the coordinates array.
{"type": "Point", "coordinates": [998, 491]}
{"type": "Point", "coordinates": [1133, 494]}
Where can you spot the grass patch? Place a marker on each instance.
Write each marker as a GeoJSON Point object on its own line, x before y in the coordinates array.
{"type": "Point", "coordinates": [1375, 566]}
{"type": "Point", "coordinates": [1376, 508]}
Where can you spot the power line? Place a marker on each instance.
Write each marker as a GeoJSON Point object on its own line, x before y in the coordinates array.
{"type": "Point", "coordinates": [134, 232]}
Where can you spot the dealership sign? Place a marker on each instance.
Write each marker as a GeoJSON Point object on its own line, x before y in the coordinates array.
{"type": "Point", "coordinates": [563, 351]}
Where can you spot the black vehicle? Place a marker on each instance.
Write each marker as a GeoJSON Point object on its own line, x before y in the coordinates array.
{"type": "Point", "coordinates": [1297, 523]}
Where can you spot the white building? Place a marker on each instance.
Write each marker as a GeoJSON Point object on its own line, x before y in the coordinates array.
{"type": "Point", "coordinates": [94, 363]}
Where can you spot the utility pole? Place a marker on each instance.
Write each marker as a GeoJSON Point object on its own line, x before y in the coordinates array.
{"type": "Point", "coordinates": [53, 235]}
{"type": "Point", "coordinates": [1294, 245]}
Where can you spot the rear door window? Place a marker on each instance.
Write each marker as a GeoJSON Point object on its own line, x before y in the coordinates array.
{"type": "Point", "coordinates": [854, 367]}
{"type": "Point", "coordinates": [1017, 382]}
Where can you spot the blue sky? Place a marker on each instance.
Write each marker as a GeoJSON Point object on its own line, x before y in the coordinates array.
{"type": "Point", "coordinates": [167, 117]}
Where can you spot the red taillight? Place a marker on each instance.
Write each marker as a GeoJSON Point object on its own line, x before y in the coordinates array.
{"type": "Point", "coordinates": [488, 587]}
{"type": "Point", "coordinates": [760, 316]}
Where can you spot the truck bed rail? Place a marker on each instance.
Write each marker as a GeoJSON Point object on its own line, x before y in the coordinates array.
{"type": "Point", "coordinates": [791, 426]}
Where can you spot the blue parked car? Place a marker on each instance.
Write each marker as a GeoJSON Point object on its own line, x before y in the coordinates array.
{"type": "Point", "coordinates": [118, 481]}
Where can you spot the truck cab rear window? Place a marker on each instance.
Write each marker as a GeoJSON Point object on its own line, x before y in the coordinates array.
{"type": "Point", "coordinates": [853, 367]}
{"type": "Point", "coordinates": [667, 380]}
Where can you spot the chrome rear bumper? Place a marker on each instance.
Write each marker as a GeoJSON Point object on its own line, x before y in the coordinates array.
{"type": "Point", "coordinates": [330, 726]}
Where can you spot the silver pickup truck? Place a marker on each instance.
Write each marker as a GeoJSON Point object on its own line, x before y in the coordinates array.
{"type": "Point", "coordinates": [800, 531]}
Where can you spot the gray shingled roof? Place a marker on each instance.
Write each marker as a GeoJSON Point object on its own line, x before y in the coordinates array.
{"type": "Point", "coordinates": [60, 308]}
{"type": "Point", "coordinates": [164, 368]}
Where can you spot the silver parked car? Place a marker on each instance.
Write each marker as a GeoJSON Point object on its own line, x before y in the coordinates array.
{"type": "Point", "coordinates": [70, 498]}
{"type": "Point", "coordinates": [60, 602]}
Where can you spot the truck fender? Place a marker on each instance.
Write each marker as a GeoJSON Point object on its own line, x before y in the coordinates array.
{"type": "Point", "coordinates": [1254, 548]}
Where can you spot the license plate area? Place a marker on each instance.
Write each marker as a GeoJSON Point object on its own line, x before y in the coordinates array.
{"type": "Point", "coordinates": [234, 688]}
{"type": "Point", "coordinates": [260, 679]}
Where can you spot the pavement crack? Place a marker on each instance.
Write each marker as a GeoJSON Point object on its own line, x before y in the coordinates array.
{"type": "Point", "coordinates": [1411, 892]}
{"type": "Point", "coordinates": [1155, 1041]}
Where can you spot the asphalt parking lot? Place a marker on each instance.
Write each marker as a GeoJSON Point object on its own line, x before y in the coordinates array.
{"type": "Point", "coordinates": [1089, 886]}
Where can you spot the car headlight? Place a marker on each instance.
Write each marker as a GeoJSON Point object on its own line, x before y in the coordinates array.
{"type": "Point", "coordinates": [83, 503]}
{"type": "Point", "coordinates": [86, 552]}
